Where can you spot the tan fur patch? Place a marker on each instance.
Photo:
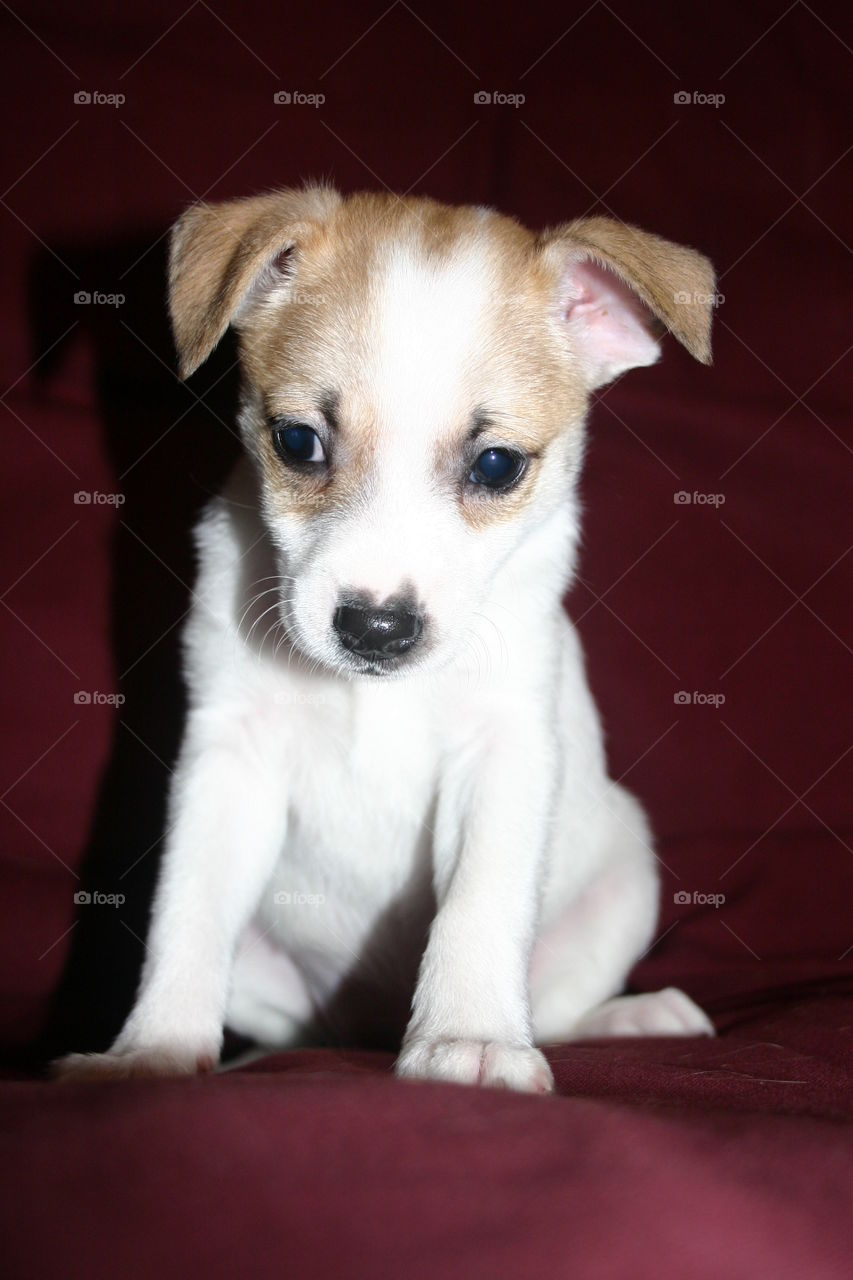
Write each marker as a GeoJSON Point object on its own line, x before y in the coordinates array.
{"type": "Point", "coordinates": [217, 250]}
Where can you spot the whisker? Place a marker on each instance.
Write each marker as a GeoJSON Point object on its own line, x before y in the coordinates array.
{"type": "Point", "coordinates": [260, 619]}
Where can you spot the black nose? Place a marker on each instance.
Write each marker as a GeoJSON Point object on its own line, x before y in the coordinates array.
{"type": "Point", "coordinates": [378, 632]}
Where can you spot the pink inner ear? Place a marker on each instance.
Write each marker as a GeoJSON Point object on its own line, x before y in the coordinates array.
{"type": "Point", "coordinates": [610, 324]}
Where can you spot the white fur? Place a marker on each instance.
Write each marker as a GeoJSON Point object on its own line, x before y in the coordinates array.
{"type": "Point", "coordinates": [456, 822]}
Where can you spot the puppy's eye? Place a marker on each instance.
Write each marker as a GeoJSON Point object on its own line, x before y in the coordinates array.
{"type": "Point", "coordinates": [297, 442]}
{"type": "Point", "coordinates": [497, 468]}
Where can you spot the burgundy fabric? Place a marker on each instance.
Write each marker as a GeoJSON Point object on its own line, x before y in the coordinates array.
{"type": "Point", "coordinates": [685, 1159]}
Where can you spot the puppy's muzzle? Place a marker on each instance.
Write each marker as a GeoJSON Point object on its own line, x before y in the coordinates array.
{"type": "Point", "coordinates": [378, 632]}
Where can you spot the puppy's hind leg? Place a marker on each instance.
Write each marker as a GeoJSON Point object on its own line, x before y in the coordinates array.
{"type": "Point", "coordinates": [582, 959]}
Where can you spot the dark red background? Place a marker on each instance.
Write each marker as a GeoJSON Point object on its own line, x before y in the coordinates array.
{"type": "Point", "coordinates": [700, 1159]}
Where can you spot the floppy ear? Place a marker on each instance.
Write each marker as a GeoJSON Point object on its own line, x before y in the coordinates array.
{"type": "Point", "coordinates": [222, 255]}
{"type": "Point", "coordinates": [620, 287]}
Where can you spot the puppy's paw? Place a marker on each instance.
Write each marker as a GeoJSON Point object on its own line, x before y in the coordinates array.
{"type": "Point", "coordinates": [134, 1064]}
{"type": "Point", "coordinates": [490, 1063]}
{"type": "Point", "coordinates": [656, 1013]}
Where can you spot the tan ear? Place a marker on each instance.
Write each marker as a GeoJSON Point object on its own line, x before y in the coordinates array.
{"type": "Point", "coordinates": [608, 269]}
{"type": "Point", "coordinates": [220, 251]}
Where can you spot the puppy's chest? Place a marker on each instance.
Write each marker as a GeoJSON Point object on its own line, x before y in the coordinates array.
{"type": "Point", "coordinates": [361, 792]}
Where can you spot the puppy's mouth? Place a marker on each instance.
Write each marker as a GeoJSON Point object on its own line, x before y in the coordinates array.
{"type": "Point", "coordinates": [379, 670]}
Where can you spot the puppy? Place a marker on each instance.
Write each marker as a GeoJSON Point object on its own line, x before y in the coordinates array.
{"type": "Point", "coordinates": [391, 814]}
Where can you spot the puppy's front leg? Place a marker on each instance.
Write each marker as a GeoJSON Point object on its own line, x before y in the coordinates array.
{"type": "Point", "coordinates": [228, 814]}
{"type": "Point", "coordinates": [471, 1018]}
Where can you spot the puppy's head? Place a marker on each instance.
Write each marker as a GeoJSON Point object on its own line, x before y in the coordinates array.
{"type": "Point", "coordinates": [415, 382]}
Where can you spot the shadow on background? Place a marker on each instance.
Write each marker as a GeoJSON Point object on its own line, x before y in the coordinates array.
{"type": "Point", "coordinates": [168, 453]}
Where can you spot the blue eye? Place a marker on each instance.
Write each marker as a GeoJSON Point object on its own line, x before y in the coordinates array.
{"type": "Point", "coordinates": [297, 442]}
{"type": "Point", "coordinates": [497, 468]}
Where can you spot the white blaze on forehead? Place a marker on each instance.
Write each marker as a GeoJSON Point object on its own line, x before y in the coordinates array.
{"type": "Point", "coordinates": [429, 316]}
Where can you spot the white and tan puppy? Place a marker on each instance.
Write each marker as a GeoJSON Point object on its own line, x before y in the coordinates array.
{"type": "Point", "coordinates": [391, 814]}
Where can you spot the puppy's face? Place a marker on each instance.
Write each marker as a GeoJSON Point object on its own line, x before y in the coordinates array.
{"type": "Point", "coordinates": [415, 384]}
{"type": "Point", "coordinates": [414, 416]}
